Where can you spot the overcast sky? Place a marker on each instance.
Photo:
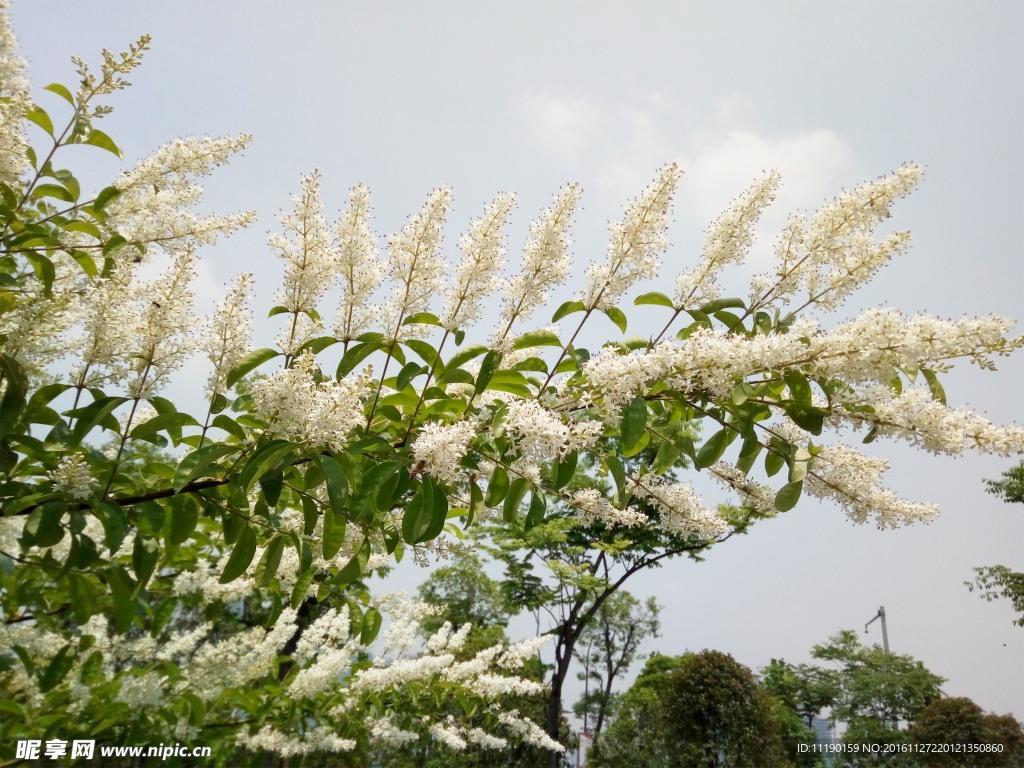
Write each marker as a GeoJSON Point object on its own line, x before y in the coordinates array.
{"type": "Point", "coordinates": [525, 97]}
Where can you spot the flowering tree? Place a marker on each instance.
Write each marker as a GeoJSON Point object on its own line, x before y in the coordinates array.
{"type": "Point", "coordinates": [132, 579]}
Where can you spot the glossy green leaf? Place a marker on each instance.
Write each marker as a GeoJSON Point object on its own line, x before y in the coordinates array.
{"type": "Point", "coordinates": [202, 463]}
{"type": "Point", "coordinates": [98, 138]}
{"type": "Point", "coordinates": [463, 356]}
{"type": "Point", "coordinates": [241, 556]}
{"type": "Point", "coordinates": [565, 468]}
{"type": "Point", "coordinates": [250, 362]}
{"type": "Point", "coordinates": [497, 487]}
{"type": "Point", "coordinates": [183, 519]}
{"type": "Point", "coordinates": [714, 448]}
{"type": "Point", "coordinates": [372, 621]}
{"type": "Point", "coordinates": [61, 91]}
{"type": "Point", "coordinates": [57, 669]}
{"type": "Point", "coordinates": [542, 338]}
{"type": "Point", "coordinates": [633, 425]}
{"type": "Point", "coordinates": [938, 393]}
{"type": "Point", "coordinates": [38, 116]}
{"type": "Point", "coordinates": [655, 298]}
{"type": "Point", "coordinates": [269, 562]}
{"type": "Point", "coordinates": [618, 317]}
{"type": "Point", "coordinates": [489, 366]}
{"type": "Point", "coordinates": [618, 474]}
{"type": "Point", "coordinates": [788, 496]}
{"type": "Point", "coordinates": [516, 493]}
{"type": "Point", "coordinates": [568, 308]}
{"type": "Point", "coordinates": [266, 458]}
{"type": "Point", "coordinates": [719, 304]}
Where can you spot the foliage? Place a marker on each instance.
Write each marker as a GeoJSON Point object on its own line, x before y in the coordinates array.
{"type": "Point", "coordinates": [997, 581]}
{"type": "Point", "coordinates": [959, 721]}
{"type": "Point", "coordinates": [697, 710]}
{"type": "Point", "coordinates": [876, 693]}
{"type": "Point", "coordinates": [131, 586]}
{"type": "Point", "coordinates": [613, 640]}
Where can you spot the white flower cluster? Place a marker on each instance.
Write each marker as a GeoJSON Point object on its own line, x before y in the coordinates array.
{"type": "Point", "coordinates": [755, 495]}
{"type": "Point", "coordinates": [592, 507]}
{"type": "Point", "coordinates": [316, 740]}
{"type": "Point", "coordinates": [297, 406]}
{"type": "Point", "coordinates": [13, 103]}
{"type": "Point", "coordinates": [360, 268]}
{"type": "Point", "coordinates": [921, 420]}
{"type": "Point", "coordinates": [546, 263]}
{"type": "Point", "coordinates": [229, 334]}
{"type": "Point", "coordinates": [727, 242]}
{"type": "Point", "coordinates": [478, 274]}
{"type": "Point", "coordinates": [539, 434]}
{"type": "Point", "coordinates": [836, 252]}
{"type": "Point", "coordinates": [157, 195]}
{"type": "Point", "coordinates": [634, 243]}
{"type": "Point", "coordinates": [73, 477]}
{"type": "Point", "coordinates": [679, 507]}
{"type": "Point", "coordinates": [441, 448]}
{"type": "Point", "coordinates": [311, 262]}
{"type": "Point", "coordinates": [416, 264]}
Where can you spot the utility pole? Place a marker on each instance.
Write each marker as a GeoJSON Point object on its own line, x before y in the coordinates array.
{"type": "Point", "coordinates": [885, 633]}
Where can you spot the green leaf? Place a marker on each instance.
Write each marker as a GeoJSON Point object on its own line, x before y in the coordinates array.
{"type": "Point", "coordinates": [268, 457]}
{"type": "Point", "coordinates": [719, 304]}
{"type": "Point", "coordinates": [122, 590]}
{"type": "Point", "coordinates": [633, 426]}
{"type": "Point", "coordinates": [57, 669]}
{"type": "Point", "coordinates": [516, 493]}
{"type": "Point", "coordinates": [95, 413]}
{"type": "Point", "coordinates": [617, 316]}
{"type": "Point", "coordinates": [538, 506]}
{"type": "Point", "coordinates": [658, 299]}
{"type": "Point", "coordinates": [409, 372]}
{"type": "Point", "coordinates": [421, 318]}
{"type": "Point", "coordinates": [98, 138]}
{"type": "Point", "coordinates": [183, 519]}
{"type": "Point", "coordinates": [565, 468]}
{"type": "Point", "coordinates": [938, 393]}
{"type": "Point", "coordinates": [13, 402]}
{"type": "Point", "coordinates": [56, 191]}
{"type": "Point", "coordinates": [749, 452]}
{"type": "Point", "coordinates": [497, 487]}
{"type": "Point", "coordinates": [201, 463]}
{"type": "Point", "coordinates": [301, 587]}
{"type": "Point", "coordinates": [799, 389]}
{"type": "Point", "coordinates": [714, 448]}
{"type": "Point", "coordinates": [272, 484]}
{"type": "Point", "coordinates": [241, 556]}
{"type": "Point", "coordinates": [355, 355]}
{"type": "Point", "coordinates": [512, 382]}
{"type": "Point", "coordinates": [542, 338]}
{"type": "Point", "coordinates": [267, 567]}
{"type": "Point", "coordinates": [38, 116]}
{"type": "Point", "coordinates": [337, 482]}
{"type": "Point", "coordinates": [465, 355]}
{"type": "Point", "coordinates": [488, 368]}
{"type": "Point", "coordinates": [788, 496]}
{"type": "Point", "coordinates": [61, 91]}
{"type": "Point", "coordinates": [317, 345]}
{"type": "Point", "coordinates": [115, 526]}
{"type": "Point", "coordinates": [335, 524]}
{"type": "Point", "coordinates": [800, 465]}
{"type": "Point", "coordinates": [105, 196]}
{"type": "Point", "coordinates": [145, 553]}
{"type": "Point", "coordinates": [372, 621]}
{"type": "Point", "coordinates": [666, 458]}
{"type": "Point", "coordinates": [250, 362]}
{"type": "Point", "coordinates": [741, 393]}
{"type": "Point", "coordinates": [807, 418]}
{"type": "Point", "coordinates": [169, 422]}
{"type": "Point", "coordinates": [618, 473]}
{"type": "Point", "coordinates": [773, 462]}
{"type": "Point", "coordinates": [568, 308]}
{"type": "Point", "coordinates": [424, 350]}
{"type": "Point", "coordinates": [354, 567]}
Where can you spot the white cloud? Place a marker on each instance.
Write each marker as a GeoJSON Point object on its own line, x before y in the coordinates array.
{"type": "Point", "coordinates": [719, 166]}
{"type": "Point", "coordinates": [564, 126]}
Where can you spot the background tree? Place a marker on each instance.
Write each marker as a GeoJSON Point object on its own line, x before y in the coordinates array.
{"type": "Point", "coordinates": [999, 740]}
{"type": "Point", "coordinates": [612, 643]}
{"type": "Point", "coordinates": [695, 711]}
{"type": "Point", "coordinates": [878, 693]}
{"type": "Point", "coordinates": [382, 428]}
{"type": "Point", "coordinates": [997, 581]}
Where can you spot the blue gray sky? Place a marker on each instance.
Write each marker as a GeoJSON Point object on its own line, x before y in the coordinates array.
{"type": "Point", "coordinates": [527, 96]}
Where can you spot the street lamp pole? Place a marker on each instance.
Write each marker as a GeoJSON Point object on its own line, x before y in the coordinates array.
{"type": "Point", "coordinates": [885, 633]}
